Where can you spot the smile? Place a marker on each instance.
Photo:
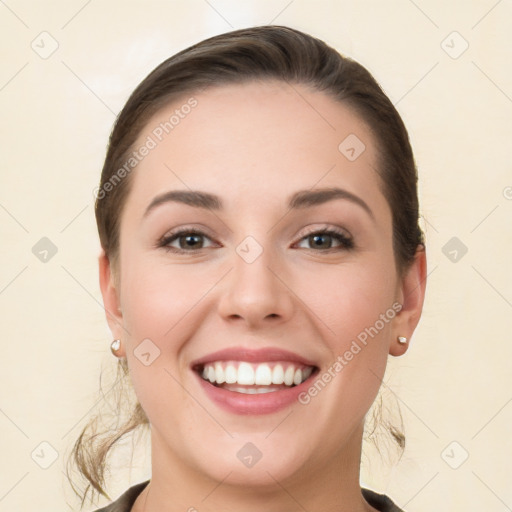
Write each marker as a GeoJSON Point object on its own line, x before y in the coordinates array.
{"type": "Point", "coordinates": [255, 378]}
{"type": "Point", "coordinates": [250, 381]}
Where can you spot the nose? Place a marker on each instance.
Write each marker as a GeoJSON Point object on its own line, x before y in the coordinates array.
{"type": "Point", "coordinates": [255, 293]}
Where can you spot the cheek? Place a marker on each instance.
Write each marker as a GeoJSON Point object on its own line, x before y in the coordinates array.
{"type": "Point", "coordinates": [159, 302]}
{"type": "Point", "coordinates": [164, 307]}
{"type": "Point", "coordinates": [354, 308]}
{"type": "Point", "coordinates": [158, 296]}
{"type": "Point", "coordinates": [350, 298]}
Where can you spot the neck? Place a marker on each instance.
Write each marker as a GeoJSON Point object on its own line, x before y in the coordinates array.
{"type": "Point", "coordinates": [326, 487]}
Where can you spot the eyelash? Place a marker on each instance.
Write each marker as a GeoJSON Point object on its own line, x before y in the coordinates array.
{"type": "Point", "coordinates": [346, 243]}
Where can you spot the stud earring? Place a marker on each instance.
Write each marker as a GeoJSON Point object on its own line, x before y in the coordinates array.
{"type": "Point", "coordinates": [402, 340]}
{"type": "Point", "coordinates": [115, 346]}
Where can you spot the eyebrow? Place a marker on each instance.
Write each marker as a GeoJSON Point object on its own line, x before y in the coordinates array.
{"type": "Point", "coordinates": [308, 198]}
{"type": "Point", "coordinates": [298, 200]}
{"type": "Point", "coordinates": [193, 198]}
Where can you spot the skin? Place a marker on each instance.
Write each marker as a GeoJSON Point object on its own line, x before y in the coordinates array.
{"type": "Point", "coordinates": [254, 155]}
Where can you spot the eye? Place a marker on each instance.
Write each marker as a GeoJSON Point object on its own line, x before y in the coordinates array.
{"type": "Point", "coordinates": [327, 239]}
{"type": "Point", "coordinates": [185, 240]}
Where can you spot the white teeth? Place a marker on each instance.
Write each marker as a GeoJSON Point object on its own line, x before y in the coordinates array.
{"type": "Point", "coordinates": [263, 375]}
{"type": "Point", "coordinates": [245, 374]}
{"type": "Point", "coordinates": [255, 374]}
{"type": "Point", "coordinates": [231, 374]}
{"type": "Point", "coordinates": [219, 373]}
{"type": "Point", "coordinates": [252, 391]}
{"type": "Point", "coordinates": [288, 375]}
{"type": "Point", "coordinates": [277, 374]}
{"type": "Point", "coordinates": [306, 373]}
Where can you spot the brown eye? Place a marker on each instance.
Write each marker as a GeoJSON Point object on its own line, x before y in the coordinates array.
{"type": "Point", "coordinates": [320, 241]}
{"type": "Point", "coordinates": [185, 241]}
{"type": "Point", "coordinates": [190, 241]}
{"type": "Point", "coordinates": [325, 240]}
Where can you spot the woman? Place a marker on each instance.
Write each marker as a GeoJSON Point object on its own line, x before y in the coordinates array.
{"type": "Point", "coordinates": [258, 216]}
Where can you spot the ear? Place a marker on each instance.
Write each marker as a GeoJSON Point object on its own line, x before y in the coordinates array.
{"type": "Point", "coordinates": [411, 294]}
{"type": "Point", "coordinates": [111, 300]}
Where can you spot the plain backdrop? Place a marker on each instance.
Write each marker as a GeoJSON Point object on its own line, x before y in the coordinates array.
{"type": "Point", "coordinates": [67, 69]}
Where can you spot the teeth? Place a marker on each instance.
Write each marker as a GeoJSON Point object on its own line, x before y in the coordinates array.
{"type": "Point", "coordinates": [253, 374]}
{"type": "Point", "coordinates": [288, 375]}
{"type": "Point", "coordinates": [263, 375]}
{"type": "Point", "coordinates": [219, 374]}
{"type": "Point", "coordinates": [231, 374]}
{"type": "Point", "coordinates": [277, 374]}
{"type": "Point", "coordinates": [245, 374]}
{"type": "Point", "coordinates": [306, 373]}
{"type": "Point", "coordinates": [252, 391]}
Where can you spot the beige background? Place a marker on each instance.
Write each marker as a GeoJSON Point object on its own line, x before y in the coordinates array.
{"type": "Point", "coordinates": [57, 111]}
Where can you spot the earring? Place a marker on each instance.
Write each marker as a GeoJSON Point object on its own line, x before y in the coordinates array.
{"type": "Point", "coordinates": [115, 346]}
{"type": "Point", "coordinates": [402, 340]}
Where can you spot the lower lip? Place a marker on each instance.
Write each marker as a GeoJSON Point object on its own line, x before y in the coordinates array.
{"type": "Point", "coordinates": [262, 403]}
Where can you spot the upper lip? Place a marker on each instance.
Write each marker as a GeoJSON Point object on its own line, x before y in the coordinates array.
{"type": "Point", "coordinates": [260, 355]}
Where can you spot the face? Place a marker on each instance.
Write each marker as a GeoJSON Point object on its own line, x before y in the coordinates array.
{"type": "Point", "coordinates": [284, 270]}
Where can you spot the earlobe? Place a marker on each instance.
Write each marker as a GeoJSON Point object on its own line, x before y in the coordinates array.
{"type": "Point", "coordinates": [411, 294]}
{"type": "Point", "coordinates": [110, 296]}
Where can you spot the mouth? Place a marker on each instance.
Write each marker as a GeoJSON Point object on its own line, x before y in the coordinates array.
{"type": "Point", "coordinates": [253, 381]}
{"type": "Point", "coordinates": [255, 378]}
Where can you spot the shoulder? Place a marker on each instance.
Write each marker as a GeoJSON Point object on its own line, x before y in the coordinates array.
{"type": "Point", "coordinates": [125, 502]}
{"type": "Point", "coordinates": [380, 501]}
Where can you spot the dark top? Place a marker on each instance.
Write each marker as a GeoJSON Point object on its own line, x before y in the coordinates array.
{"type": "Point", "coordinates": [125, 502]}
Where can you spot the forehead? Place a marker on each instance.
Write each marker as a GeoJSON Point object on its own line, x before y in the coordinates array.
{"type": "Point", "coordinates": [256, 140]}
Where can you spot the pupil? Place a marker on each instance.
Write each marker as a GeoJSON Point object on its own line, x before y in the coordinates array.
{"type": "Point", "coordinates": [191, 239]}
{"type": "Point", "coordinates": [318, 239]}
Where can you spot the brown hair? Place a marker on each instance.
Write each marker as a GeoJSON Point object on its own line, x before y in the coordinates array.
{"type": "Point", "coordinates": [257, 53]}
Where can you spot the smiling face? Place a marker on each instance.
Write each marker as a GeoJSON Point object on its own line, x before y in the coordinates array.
{"type": "Point", "coordinates": [223, 247]}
